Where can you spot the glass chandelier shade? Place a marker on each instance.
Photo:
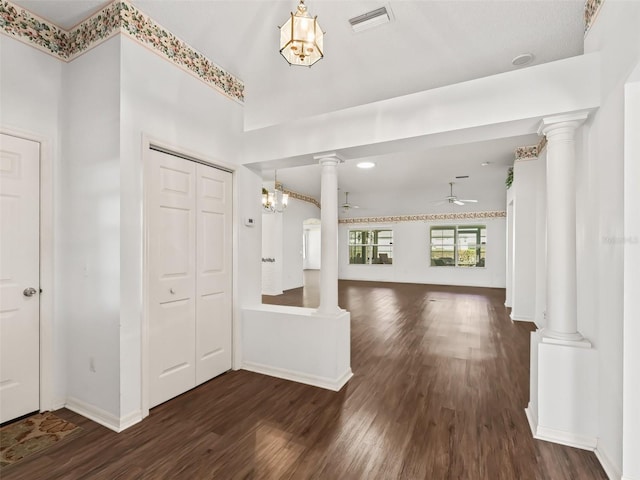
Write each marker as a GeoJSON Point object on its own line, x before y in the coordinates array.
{"type": "Point", "coordinates": [301, 38]}
{"type": "Point", "coordinates": [274, 201]}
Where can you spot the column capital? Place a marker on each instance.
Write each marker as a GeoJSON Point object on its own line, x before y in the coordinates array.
{"type": "Point", "coordinates": [571, 120]}
{"type": "Point", "coordinates": [330, 158]}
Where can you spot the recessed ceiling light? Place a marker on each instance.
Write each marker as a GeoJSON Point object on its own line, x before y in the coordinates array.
{"type": "Point", "coordinates": [366, 165]}
{"type": "Point", "coordinates": [485, 164]}
{"type": "Point", "coordinates": [522, 60]}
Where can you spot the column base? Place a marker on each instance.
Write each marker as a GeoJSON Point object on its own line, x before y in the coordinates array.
{"type": "Point", "coordinates": [564, 391]}
{"type": "Point", "coordinates": [567, 339]}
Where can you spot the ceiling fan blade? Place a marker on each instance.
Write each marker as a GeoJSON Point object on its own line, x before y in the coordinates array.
{"type": "Point", "coordinates": [458, 202]}
{"type": "Point", "coordinates": [354, 206]}
{"type": "Point", "coordinates": [469, 201]}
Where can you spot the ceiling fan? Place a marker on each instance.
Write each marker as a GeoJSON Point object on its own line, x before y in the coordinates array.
{"type": "Point", "coordinates": [451, 198]}
{"type": "Point", "coordinates": [346, 206]}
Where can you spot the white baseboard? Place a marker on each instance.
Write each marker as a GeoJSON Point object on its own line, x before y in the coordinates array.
{"type": "Point", "coordinates": [558, 436]}
{"type": "Point", "coordinates": [566, 438]}
{"type": "Point", "coordinates": [102, 417]}
{"type": "Point", "coordinates": [605, 460]}
{"type": "Point", "coordinates": [516, 317]}
{"type": "Point", "coordinates": [532, 417]}
{"type": "Point", "coordinates": [334, 384]}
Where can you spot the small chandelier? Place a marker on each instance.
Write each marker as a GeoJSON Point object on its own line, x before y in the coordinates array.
{"type": "Point", "coordinates": [301, 38]}
{"type": "Point", "coordinates": [275, 201]}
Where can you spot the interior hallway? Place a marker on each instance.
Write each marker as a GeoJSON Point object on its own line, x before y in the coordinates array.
{"type": "Point", "coordinates": [439, 389]}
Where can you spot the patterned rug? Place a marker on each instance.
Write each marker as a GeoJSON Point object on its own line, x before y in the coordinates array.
{"type": "Point", "coordinates": [31, 435]}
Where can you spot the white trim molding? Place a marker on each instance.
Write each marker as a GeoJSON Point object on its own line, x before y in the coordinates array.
{"type": "Point", "coordinates": [104, 418]}
{"type": "Point", "coordinates": [334, 384]}
{"type": "Point", "coordinates": [607, 464]}
{"type": "Point", "coordinates": [558, 436]}
{"type": "Point", "coordinates": [48, 400]}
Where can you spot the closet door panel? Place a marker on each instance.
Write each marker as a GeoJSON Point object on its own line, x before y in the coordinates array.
{"type": "Point", "coordinates": [214, 280]}
{"type": "Point", "coordinates": [171, 213]}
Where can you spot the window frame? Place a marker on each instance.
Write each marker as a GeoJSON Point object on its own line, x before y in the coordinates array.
{"type": "Point", "coordinates": [371, 233]}
{"type": "Point", "coordinates": [479, 246]}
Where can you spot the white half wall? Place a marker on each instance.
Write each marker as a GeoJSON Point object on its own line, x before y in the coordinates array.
{"type": "Point", "coordinates": [411, 256]}
{"type": "Point", "coordinates": [298, 344]}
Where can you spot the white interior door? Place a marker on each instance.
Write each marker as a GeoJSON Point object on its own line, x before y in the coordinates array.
{"type": "Point", "coordinates": [214, 281]}
{"type": "Point", "coordinates": [190, 274]}
{"type": "Point", "coordinates": [171, 213]}
{"type": "Point", "coordinates": [19, 277]}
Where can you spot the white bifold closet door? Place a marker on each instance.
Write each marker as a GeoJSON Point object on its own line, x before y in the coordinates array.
{"type": "Point", "coordinates": [189, 219]}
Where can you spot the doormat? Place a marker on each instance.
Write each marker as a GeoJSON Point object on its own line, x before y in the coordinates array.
{"type": "Point", "coordinates": [32, 435]}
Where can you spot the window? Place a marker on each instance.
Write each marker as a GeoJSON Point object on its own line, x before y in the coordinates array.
{"type": "Point", "coordinates": [458, 246]}
{"type": "Point", "coordinates": [370, 247]}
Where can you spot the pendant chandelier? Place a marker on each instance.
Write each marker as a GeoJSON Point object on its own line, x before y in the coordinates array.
{"type": "Point", "coordinates": [276, 200]}
{"type": "Point", "coordinates": [301, 38]}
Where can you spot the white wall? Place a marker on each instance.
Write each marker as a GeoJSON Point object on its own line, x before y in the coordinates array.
{"type": "Point", "coordinates": [492, 107]}
{"type": "Point", "coordinates": [295, 215]}
{"type": "Point", "coordinates": [615, 34]}
{"type": "Point", "coordinates": [313, 236]}
{"type": "Point", "coordinates": [541, 241]}
{"type": "Point", "coordinates": [524, 190]}
{"type": "Point", "coordinates": [509, 250]}
{"type": "Point", "coordinates": [272, 253]}
{"type": "Point", "coordinates": [631, 389]}
{"type": "Point", "coordinates": [30, 99]}
{"type": "Point", "coordinates": [411, 258]}
{"type": "Point", "coordinates": [175, 108]}
{"type": "Point", "coordinates": [89, 288]}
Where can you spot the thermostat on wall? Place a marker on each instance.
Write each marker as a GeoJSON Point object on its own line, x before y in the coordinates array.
{"type": "Point", "coordinates": [249, 222]}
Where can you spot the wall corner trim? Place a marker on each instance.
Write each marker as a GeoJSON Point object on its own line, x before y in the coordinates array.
{"type": "Point", "coordinates": [607, 464]}
{"type": "Point", "coordinates": [104, 418]}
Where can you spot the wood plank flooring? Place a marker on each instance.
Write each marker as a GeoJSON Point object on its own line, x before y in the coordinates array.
{"type": "Point", "coordinates": [440, 383]}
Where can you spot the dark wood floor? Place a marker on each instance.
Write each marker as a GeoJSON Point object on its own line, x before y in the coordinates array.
{"type": "Point", "coordinates": [440, 383]}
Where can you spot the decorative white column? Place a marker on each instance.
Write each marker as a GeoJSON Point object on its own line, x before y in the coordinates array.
{"type": "Point", "coordinates": [562, 321]}
{"type": "Point", "coordinates": [329, 235]}
{"type": "Point", "coordinates": [563, 406]}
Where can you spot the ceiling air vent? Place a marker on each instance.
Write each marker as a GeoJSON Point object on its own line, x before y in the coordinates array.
{"type": "Point", "coordinates": [370, 19]}
{"type": "Point", "coordinates": [462, 176]}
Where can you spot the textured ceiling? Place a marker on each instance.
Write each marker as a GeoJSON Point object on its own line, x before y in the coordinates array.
{"type": "Point", "coordinates": [428, 44]}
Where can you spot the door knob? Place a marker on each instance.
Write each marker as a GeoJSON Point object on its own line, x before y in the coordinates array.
{"type": "Point", "coordinates": [29, 292]}
{"type": "Point", "coordinates": [171, 290]}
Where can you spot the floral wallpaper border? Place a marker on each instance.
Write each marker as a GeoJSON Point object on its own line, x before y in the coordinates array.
{"type": "Point", "coordinates": [427, 217]}
{"type": "Point", "coordinates": [542, 144]}
{"type": "Point", "coordinates": [304, 198]}
{"type": "Point", "coordinates": [591, 9]}
{"type": "Point", "coordinates": [119, 16]}
{"type": "Point", "coordinates": [530, 151]}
